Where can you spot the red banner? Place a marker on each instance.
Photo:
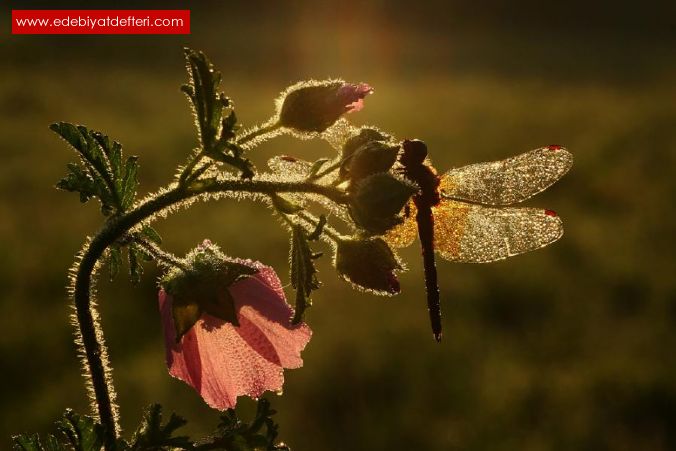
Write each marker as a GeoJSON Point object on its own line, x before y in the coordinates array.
{"type": "Point", "coordinates": [96, 21]}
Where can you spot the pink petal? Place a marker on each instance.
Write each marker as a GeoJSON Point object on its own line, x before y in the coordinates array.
{"type": "Point", "coordinates": [260, 299]}
{"type": "Point", "coordinates": [222, 361]}
{"type": "Point", "coordinates": [353, 95]}
{"type": "Point", "coordinates": [355, 106]}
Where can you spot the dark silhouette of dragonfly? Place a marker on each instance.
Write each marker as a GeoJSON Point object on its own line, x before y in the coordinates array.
{"type": "Point", "coordinates": [465, 214]}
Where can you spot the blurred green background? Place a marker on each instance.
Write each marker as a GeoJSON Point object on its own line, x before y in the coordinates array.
{"type": "Point", "coordinates": [570, 347]}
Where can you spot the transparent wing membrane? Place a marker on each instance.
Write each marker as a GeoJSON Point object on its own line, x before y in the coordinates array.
{"type": "Point", "coordinates": [509, 181]}
{"type": "Point", "coordinates": [472, 233]}
{"type": "Point", "coordinates": [289, 167]}
{"type": "Point", "coordinates": [405, 233]}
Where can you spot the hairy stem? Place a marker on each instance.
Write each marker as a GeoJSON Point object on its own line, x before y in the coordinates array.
{"type": "Point", "coordinates": [264, 129]}
{"type": "Point", "coordinates": [327, 171]}
{"type": "Point", "coordinates": [161, 256]}
{"type": "Point", "coordinates": [332, 233]}
{"type": "Point", "coordinates": [92, 338]}
{"type": "Point", "coordinates": [187, 170]}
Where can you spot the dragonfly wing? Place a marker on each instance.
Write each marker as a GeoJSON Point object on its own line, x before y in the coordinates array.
{"type": "Point", "coordinates": [471, 233]}
{"type": "Point", "coordinates": [290, 167]}
{"type": "Point", "coordinates": [405, 233]}
{"type": "Point", "coordinates": [508, 181]}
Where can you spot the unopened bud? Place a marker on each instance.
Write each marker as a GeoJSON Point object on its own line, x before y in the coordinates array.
{"type": "Point", "coordinates": [314, 106]}
{"type": "Point", "coordinates": [368, 263]}
{"type": "Point", "coordinates": [377, 201]}
{"type": "Point", "coordinates": [370, 158]}
{"type": "Point", "coordinates": [365, 136]}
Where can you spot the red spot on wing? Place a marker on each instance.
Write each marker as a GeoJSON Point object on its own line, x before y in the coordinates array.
{"type": "Point", "coordinates": [550, 213]}
{"type": "Point", "coordinates": [288, 158]}
{"type": "Point", "coordinates": [554, 147]}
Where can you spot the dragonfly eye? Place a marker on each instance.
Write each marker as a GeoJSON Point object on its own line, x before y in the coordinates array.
{"type": "Point", "coordinates": [415, 152]}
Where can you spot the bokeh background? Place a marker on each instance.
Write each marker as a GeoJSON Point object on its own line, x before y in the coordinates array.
{"type": "Point", "coordinates": [571, 347]}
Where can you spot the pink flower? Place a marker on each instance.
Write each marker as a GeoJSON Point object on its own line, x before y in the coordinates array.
{"type": "Point", "coordinates": [352, 95]}
{"type": "Point", "coordinates": [222, 361]}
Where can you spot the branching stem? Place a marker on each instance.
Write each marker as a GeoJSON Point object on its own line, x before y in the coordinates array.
{"type": "Point", "coordinates": [246, 138]}
{"type": "Point", "coordinates": [161, 256]}
{"type": "Point", "coordinates": [116, 228]}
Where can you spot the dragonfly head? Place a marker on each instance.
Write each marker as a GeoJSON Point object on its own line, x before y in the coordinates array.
{"type": "Point", "coordinates": [415, 152]}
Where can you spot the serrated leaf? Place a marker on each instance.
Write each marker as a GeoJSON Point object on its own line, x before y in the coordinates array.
{"type": "Point", "coordinates": [151, 234]}
{"type": "Point", "coordinates": [303, 272]}
{"type": "Point", "coordinates": [136, 256]}
{"type": "Point", "coordinates": [114, 261]}
{"type": "Point", "coordinates": [129, 183]}
{"type": "Point", "coordinates": [202, 90]}
{"type": "Point", "coordinates": [81, 431]}
{"type": "Point", "coordinates": [214, 114]}
{"type": "Point", "coordinates": [78, 180]}
{"type": "Point", "coordinates": [233, 434]}
{"type": "Point", "coordinates": [152, 434]}
{"type": "Point", "coordinates": [229, 126]}
{"type": "Point", "coordinates": [101, 173]}
{"type": "Point", "coordinates": [34, 443]}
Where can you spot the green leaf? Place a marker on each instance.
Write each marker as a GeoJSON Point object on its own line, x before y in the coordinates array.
{"type": "Point", "coordinates": [151, 234]}
{"type": "Point", "coordinates": [136, 256]}
{"type": "Point", "coordinates": [80, 181]}
{"type": "Point", "coordinates": [129, 183]}
{"type": "Point", "coordinates": [153, 434]}
{"type": "Point", "coordinates": [202, 91]}
{"type": "Point", "coordinates": [303, 271]}
{"type": "Point", "coordinates": [34, 443]}
{"type": "Point", "coordinates": [114, 261]}
{"type": "Point", "coordinates": [101, 173]}
{"type": "Point", "coordinates": [81, 432]}
{"type": "Point", "coordinates": [233, 434]}
{"type": "Point", "coordinates": [215, 117]}
{"type": "Point", "coordinates": [77, 432]}
{"type": "Point", "coordinates": [229, 125]}
{"type": "Point", "coordinates": [284, 205]}
{"type": "Point", "coordinates": [316, 166]}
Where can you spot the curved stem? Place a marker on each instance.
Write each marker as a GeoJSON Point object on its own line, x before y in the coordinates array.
{"type": "Point", "coordinates": [92, 337]}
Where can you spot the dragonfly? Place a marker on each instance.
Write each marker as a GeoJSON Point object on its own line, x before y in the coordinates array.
{"type": "Point", "coordinates": [467, 215]}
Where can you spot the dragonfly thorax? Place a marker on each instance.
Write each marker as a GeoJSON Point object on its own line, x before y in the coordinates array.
{"type": "Point", "coordinates": [424, 175]}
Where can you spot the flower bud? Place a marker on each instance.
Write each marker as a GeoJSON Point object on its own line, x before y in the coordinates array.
{"type": "Point", "coordinates": [376, 202]}
{"type": "Point", "coordinates": [315, 106]}
{"type": "Point", "coordinates": [370, 158]}
{"type": "Point", "coordinates": [369, 264]}
{"type": "Point", "coordinates": [366, 135]}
